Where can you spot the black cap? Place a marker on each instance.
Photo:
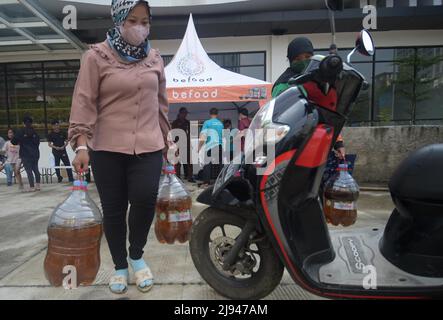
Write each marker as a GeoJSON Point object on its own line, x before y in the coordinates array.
{"type": "Point", "coordinates": [27, 119]}
{"type": "Point", "coordinates": [213, 111]}
{"type": "Point", "coordinates": [244, 111]}
{"type": "Point", "coordinates": [298, 46]}
{"type": "Point", "coordinates": [183, 110]}
{"type": "Point", "coordinates": [54, 122]}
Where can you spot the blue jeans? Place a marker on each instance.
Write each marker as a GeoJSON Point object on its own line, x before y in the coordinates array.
{"type": "Point", "coordinates": [9, 169]}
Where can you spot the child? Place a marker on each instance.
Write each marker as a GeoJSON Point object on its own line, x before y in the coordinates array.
{"type": "Point", "coordinates": [12, 163]}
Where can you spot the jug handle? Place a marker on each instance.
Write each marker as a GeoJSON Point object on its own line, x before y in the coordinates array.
{"type": "Point", "coordinates": [80, 175]}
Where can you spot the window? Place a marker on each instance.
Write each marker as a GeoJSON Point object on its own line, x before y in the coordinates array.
{"type": "Point", "coordinates": [429, 84]}
{"type": "Point", "coordinates": [26, 94]}
{"type": "Point", "coordinates": [60, 77]}
{"type": "Point", "coordinates": [167, 59]}
{"type": "Point", "coordinates": [361, 111]}
{"type": "Point", "coordinates": [408, 85]}
{"type": "Point", "coordinates": [251, 64]}
{"type": "Point", "coordinates": [3, 109]}
{"type": "Point", "coordinates": [42, 90]}
{"type": "Point", "coordinates": [405, 86]}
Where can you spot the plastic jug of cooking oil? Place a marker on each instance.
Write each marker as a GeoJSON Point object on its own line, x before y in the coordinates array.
{"type": "Point", "coordinates": [340, 198]}
{"type": "Point", "coordinates": [173, 209]}
{"type": "Point", "coordinates": [74, 235]}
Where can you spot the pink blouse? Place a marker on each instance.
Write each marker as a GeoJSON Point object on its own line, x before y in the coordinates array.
{"type": "Point", "coordinates": [119, 106]}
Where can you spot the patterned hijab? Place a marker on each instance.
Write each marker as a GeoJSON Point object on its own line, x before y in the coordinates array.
{"type": "Point", "coordinates": [120, 10]}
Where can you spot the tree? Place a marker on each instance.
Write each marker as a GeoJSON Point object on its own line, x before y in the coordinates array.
{"type": "Point", "coordinates": [411, 82]}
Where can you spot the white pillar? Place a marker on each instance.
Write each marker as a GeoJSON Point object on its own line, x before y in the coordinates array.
{"type": "Point", "coordinates": [278, 60]}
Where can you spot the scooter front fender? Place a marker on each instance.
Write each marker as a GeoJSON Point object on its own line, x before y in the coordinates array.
{"type": "Point", "coordinates": [205, 197]}
{"type": "Point", "coordinates": [224, 199]}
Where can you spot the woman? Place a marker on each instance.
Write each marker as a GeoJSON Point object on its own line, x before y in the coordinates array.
{"type": "Point", "coordinates": [13, 162]}
{"type": "Point", "coordinates": [119, 112]}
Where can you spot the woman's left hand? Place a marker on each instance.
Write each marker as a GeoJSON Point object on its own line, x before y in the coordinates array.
{"type": "Point", "coordinates": [340, 153]}
{"type": "Point", "coordinates": [170, 151]}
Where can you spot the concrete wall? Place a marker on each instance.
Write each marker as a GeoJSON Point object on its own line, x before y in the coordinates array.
{"type": "Point", "coordinates": [380, 149]}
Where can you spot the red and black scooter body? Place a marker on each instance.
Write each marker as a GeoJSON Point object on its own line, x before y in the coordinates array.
{"type": "Point", "coordinates": [286, 197]}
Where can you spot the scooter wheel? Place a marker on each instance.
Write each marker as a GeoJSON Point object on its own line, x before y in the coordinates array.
{"type": "Point", "coordinates": [233, 284]}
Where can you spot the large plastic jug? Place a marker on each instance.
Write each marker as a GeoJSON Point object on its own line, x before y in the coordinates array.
{"type": "Point", "coordinates": [173, 209]}
{"type": "Point", "coordinates": [340, 198]}
{"type": "Point", "coordinates": [74, 235]}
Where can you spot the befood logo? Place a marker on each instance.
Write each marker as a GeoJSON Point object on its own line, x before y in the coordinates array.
{"type": "Point", "coordinates": [191, 67]}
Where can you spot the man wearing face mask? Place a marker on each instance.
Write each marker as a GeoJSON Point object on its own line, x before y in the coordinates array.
{"type": "Point", "coordinates": [119, 122]}
{"type": "Point", "coordinates": [300, 50]}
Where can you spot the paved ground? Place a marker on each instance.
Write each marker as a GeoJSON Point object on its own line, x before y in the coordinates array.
{"type": "Point", "coordinates": [23, 240]}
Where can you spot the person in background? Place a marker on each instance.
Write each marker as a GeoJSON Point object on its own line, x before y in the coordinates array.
{"type": "Point", "coordinates": [29, 142]}
{"type": "Point", "coordinates": [2, 155]}
{"type": "Point", "coordinates": [13, 162]}
{"type": "Point", "coordinates": [300, 50]}
{"type": "Point", "coordinates": [2, 142]}
{"type": "Point", "coordinates": [182, 123]}
{"type": "Point", "coordinates": [57, 141]}
{"type": "Point", "coordinates": [243, 125]}
{"type": "Point", "coordinates": [211, 138]}
{"type": "Point", "coordinates": [228, 134]}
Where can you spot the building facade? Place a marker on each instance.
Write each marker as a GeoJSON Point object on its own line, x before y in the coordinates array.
{"type": "Point", "coordinates": [39, 58]}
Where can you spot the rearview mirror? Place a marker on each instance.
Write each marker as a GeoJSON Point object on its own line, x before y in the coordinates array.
{"type": "Point", "coordinates": [364, 44]}
{"type": "Point", "coordinates": [335, 5]}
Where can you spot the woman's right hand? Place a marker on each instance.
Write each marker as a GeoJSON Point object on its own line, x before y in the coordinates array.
{"type": "Point", "coordinates": [81, 161]}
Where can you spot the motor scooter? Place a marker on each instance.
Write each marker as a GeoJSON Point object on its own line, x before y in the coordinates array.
{"type": "Point", "coordinates": [256, 225]}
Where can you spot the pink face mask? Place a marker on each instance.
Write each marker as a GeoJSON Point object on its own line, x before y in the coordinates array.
{"type": "Point", "coordinates": [135, 35]}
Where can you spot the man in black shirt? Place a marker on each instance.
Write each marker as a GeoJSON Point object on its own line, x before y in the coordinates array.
{"type": "Point", "coordinates": [58, 141]}
{"type": "Point", "coordinates": [184, 124]}
{"type": "Point", "coordinates": [29, 142]}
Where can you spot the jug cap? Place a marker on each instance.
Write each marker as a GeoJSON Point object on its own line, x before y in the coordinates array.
{"type": "Point", "coordinates": [77, 183]}
{"type": "Point", "coordinates": [342, 167]}
{"type": "Point", "coordinates": [80, 185]}
{"type": "Point", "coordinates": [169, 169]}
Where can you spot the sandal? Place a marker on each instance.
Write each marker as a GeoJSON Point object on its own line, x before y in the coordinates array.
{"type": "Point", "coordinates": [118, 280]}
{"type": "Point", "coordinates": [142, 276]}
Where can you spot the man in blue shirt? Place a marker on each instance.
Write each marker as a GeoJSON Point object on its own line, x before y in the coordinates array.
{"type": "Point", "coordinates": [212, 137]}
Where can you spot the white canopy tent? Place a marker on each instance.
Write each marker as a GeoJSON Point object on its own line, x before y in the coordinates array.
{"type": "Point", "coordinates": [195, 81]}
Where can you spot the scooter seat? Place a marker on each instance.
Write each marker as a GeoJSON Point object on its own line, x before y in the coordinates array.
{"type": "Point", "coordinates": [420, 176]}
